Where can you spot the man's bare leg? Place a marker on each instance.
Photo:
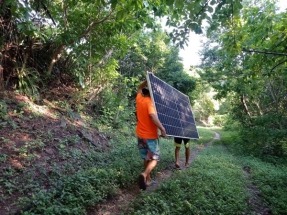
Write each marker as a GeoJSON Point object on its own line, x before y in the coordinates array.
{"type": "Point", "coordinates": [150, 165]}
{"type": "Point", "coordinates": [148, 177]}
{"type": "Point", "coordinates": [145, 175]}
{"type": "Point", "coordinates": [176, 154]}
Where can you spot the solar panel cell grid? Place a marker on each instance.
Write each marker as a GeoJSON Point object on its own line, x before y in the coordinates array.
{"type": "Point", "coordinates": [173, 109]}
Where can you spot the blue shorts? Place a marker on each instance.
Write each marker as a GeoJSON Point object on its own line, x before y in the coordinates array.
{"type": "Point", "coordinates": [149, 149]}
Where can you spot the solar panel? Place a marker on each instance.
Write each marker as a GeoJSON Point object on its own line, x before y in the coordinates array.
{"type": "Point", "coordinates": [173, 109]}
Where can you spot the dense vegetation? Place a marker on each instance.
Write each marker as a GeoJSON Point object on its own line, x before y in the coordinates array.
{"type": "Point", "coordinates": [68, 73]}
{"type": "Point", "coordinates": [246, 63]}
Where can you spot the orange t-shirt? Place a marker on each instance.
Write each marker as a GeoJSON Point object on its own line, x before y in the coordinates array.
{"type": "Point", "coordinates": [145, 126]}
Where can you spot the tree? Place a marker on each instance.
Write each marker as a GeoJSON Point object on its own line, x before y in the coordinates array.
{"type": "Point", "coordinates": [204, 108]}
{"type": "Point", "coordinates": [48, 37]}
{"type": "Point", "coordinates": [253, 80]}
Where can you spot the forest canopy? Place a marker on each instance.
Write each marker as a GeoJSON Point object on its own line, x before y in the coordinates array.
{"type": "Point", "coordinates": [83, 41]}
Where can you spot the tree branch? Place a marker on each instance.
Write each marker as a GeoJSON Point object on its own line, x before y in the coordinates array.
{"type": "Point", "coordinates": [48, 13]}
{"type": "Point", "coordinates": [278, 65]}
{"type": "Point", "coordinates": [93, 24]}
{"type": "Point", "coordinates": [243, 102]}
{"type": "Point", "coordinates": [263, 52]}
{"type": "Point", "coordinates": [202, 9]}
{"type": "Point", "coordinates": [58, 51]}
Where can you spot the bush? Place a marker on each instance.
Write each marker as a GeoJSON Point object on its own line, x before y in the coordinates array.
{"type": "Point", "coordinates": [3, 110]}
{"type": "Point", "coordinates": [219, 120]}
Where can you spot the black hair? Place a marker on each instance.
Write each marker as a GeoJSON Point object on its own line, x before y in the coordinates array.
{"type": "Point", "coordinates": [145, 91]}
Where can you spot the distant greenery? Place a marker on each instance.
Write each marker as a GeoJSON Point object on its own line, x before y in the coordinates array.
{"type": "Point", "coordinates": [243, 63]}
{"type": "Point", "coordinates": [205, 135]}
{"type": "Point", "coordinates": [228, 137]}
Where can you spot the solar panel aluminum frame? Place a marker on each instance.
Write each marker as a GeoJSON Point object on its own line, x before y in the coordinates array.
{"type": "Point", "coordinates": [172, 134]}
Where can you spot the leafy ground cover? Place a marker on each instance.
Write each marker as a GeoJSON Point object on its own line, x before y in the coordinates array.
{"type": "Point", "coordinates": [220, 182]}
{"type": "Point", "coordinates": [56, 162]}
{"type": "Point", "coordinates": [267, 175]}
{"type": "Point", "coordinates": [271, 181]}
{"type": "Point", "coordinates": [120, 202]}
{"type": "Point", "coordinates": [213, 185]}
{"type": "Point", "coordinates": [45, 148]}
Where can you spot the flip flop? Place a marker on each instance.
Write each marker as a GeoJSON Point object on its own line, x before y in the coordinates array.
{"type": "Point", "coordinates": [177, 167]}
{"type": "Point", "coordinates": [141, 182]}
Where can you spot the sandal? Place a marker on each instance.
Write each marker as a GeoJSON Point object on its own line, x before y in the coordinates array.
{"type": "Point", "coordinates": [141, 182]}
{"type": "Point", "coordinates": [177, 167]}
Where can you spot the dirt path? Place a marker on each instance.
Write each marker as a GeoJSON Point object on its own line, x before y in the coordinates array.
{"type": "Point", "coordinates": [119, 204]}
{"type": "Point", "coordinates": [255, 201]}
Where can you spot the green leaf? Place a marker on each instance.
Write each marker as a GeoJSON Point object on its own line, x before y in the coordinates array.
{"type": "Point", "coordinates": [213, 2]}
{"type": "Point", "coordinates": [169, 2]}
{"type": "Point", "coordinates": [210, 9]}
{"type": "Point", "coordinates": [114, 4]}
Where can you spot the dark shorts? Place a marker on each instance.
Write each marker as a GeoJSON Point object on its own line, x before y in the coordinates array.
{"type": "Point", "coordinates": [149, 149]}
{"type": "Point", "coordinates": [178, 141]}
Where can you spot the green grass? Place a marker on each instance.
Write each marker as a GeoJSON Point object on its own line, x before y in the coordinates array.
{"type": "Point", "coordinates": [269, 177]}
{"type": "Point", "coordinates": [205, 135]}
{"type": "Point", "coordinates": [227, 137]}
{"type": "Point", "coordinates": [271, 180]}
{"type": "Point", "coordinates": [214, 185]}
{"type": "Point", "coordinates": [232, 140]}
{"type": "Point", "coordinates": [103, 174]}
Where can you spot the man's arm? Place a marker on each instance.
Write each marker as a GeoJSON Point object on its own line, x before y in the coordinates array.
{"type": "Point", "coordinates": [158, 124]}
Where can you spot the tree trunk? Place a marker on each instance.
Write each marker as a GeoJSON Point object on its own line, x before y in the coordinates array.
{"type": "Point", "coordinates": [243, 101]}
{"type": "Point", "coordinates": [56, 56]}
{"type": "Point", "coordinates": [259, 108]}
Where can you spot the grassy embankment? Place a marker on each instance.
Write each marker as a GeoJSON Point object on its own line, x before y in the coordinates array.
{"type": "Point", "coordinates": [214, 184]}
{"type": "Point", "coordinates": [103, 173]}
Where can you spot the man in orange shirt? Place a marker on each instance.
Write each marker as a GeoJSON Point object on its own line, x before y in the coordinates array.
{"type": "Point", "coordinates": [147, 133]}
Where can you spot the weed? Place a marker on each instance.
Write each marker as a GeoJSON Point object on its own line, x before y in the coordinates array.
{"type": "Point", "coordinates": [271, 181]}
{"type": "Point", "coordinates": [205, 135]}
{"type": "Point", "coordinates": [214, 185]}
{"type": "Point", "coordinates": [3, 157]}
